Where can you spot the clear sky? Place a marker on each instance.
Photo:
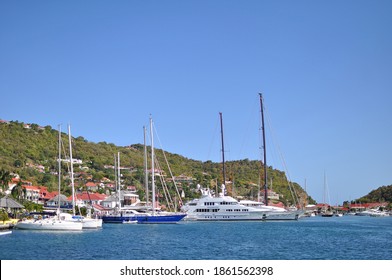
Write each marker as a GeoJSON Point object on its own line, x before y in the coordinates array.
{"type": "Point", "coordinates": [324, 68]}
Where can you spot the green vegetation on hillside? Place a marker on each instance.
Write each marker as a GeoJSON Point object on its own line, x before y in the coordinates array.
{"type": "Point", "coordinates": [382, 194]}
{"type": "Point", "coordinates": [32, 153]}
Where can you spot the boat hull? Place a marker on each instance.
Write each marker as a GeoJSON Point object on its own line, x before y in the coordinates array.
{"type": "Point", "coordinates": [91, 223]}
{"type": "Point", "coordinates": [144, 219]}
{"type": "Point", "coordinates": [112, 219]}
{"type": "Point", "coordinates": [283, 216]}
{"type": "Point", "coordinates": [257, 216]}
{"type": "Point", "coordinates": [160, 219]}
{"type": "Point", "coordinates": [192, 216]}
{"type": "Point", "coordinates": [49, 224]}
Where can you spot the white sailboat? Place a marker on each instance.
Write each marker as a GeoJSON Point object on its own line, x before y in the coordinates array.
{"type": "Point", "coordinates": [88, 222]}
{"type": "Point", "coordinates": [56, 223]}
{"type": "Point", "coordinates": [326, 211]}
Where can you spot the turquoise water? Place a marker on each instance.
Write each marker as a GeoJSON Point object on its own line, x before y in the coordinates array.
{"type": "Point", "coordinates": [337, 238]}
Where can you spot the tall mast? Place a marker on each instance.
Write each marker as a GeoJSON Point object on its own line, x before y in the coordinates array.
{"type": "Point", "coordinates": [145, 165]}
{"type": "Point", "coordinates": [152, 167]}
{"type": "Point", "coordinates": [264, 151]}
{"type": "Point", "coordinates": [59, 171]}
{"type": "Point", "coordinates": [325, 191]}
{"type": "Point", "coordinates": [115, 175]}
{"type": "Point", "coordinates": [72, 173]}
{"type": "Point", "coordinates": [119, 179]}
{"type": "Point", "coordinates": [223, 152]}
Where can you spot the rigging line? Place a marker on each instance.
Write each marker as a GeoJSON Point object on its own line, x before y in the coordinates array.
{"type": "Point", "coordinates": [160, 175]}
{"type": "Point", "coordinates": [245, 139]}
{"type": "Point", "coordinates": [67, 162]}
{"type": "Point", "coordinates": [276, 144]}
{"type": "Point", "coordinates": [65, 154]}
{"type": "Point", "coordinates": [168, 166]}
{"type": "Point", "coordinates": [163, 184]}
{"type": "Point", "coordinates": [213, 139]}
{"type": "Point", "coordinates": [166, 191]}
{"type": "Point", "coordinates": [171, 174]}
{"type": "Point", "coordinates": [327, 191]}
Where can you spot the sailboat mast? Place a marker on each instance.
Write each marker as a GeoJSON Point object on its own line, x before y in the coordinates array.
{"type": "Point", "coordinates": [119, 179]}
{"type": "Point", "coordinates": [115, 176]}
{"type": "Point", "coordinates": [223, 152]}
{"type": "Point", "coordinates": [59, 171]}
{"type": "Point", "coordinates": [145, 165]}
{"type": "Point", "coordinates": [325, 191]}
{"type": "Point", "coordinates": [72, 173]}
{"type": "Point", "coordinates": [152, 167]}
{"type": "Point", "coordinates": [264, 150]}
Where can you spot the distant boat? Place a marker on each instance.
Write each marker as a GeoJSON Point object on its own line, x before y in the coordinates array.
{"type": "Point", "coordinates": [327, 214]}
{"type": "Point", "coordinates": [56, 223]}
{"type": "Point", "coordinates": [5, 232]}
{"type": "Point", "coordinates": [273, 213]}
{"type": "Point", "coordinates": [326, 211]}
{"type": "Point", "coordinates": [6, 229]}
{"type": "Point", "coordinates": [129, 222]}
{"type": "Point", "coordinates": [373, 213]}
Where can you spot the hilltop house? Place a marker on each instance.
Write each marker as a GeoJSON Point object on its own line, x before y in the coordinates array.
{"type": "Point", "coordinates": [271, 195]}
{"type": "Point", "coordinates": [38, 194]}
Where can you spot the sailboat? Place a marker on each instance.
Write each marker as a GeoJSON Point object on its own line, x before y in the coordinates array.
{"type": "Point", "coordinates": [56, 223]}
{"type": "Point", "coordinates": [157, 217]}
{"type": "Point", "coordinates": [273, 212]}
{"type": "Point", "coordinates": [129, 215]}
{"type": "Point", "coordinates": [120, 215]}
{"type": "Point", "coordinates": [325, 212]}
{"type": "Point", "coordinates": [88, 222]}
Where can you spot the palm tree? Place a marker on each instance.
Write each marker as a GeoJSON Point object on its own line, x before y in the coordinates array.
{"type": "Point", "coordinates": [5, 178]}
{"type": "Point", "coordinates": [18, 191]}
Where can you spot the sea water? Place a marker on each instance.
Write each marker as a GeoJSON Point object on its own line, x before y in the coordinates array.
{"type": "Point", "coordinates": [314, 238]}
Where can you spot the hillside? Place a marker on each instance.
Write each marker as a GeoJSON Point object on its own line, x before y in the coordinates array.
{"type": "Point", "coordinates": [382, 194]}
{"type": "Point", "coordinates": [31, 151]}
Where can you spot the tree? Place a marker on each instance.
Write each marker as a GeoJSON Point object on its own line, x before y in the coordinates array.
{"type": "Point", "coordinates": [3, 216]}
{"type": "Point", "coordinates": [5, 178]}
{"type": "Point", "coordinates": [18, 191]}
{"type": "Point", "coordinates": [18, 163]}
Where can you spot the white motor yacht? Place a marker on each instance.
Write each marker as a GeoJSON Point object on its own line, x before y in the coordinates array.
{"type": "Point", "coordinates": [221, 208]}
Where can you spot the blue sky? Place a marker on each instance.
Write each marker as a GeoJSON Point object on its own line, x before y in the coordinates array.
{"type": "Point", "coordinates": [324, 68]}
